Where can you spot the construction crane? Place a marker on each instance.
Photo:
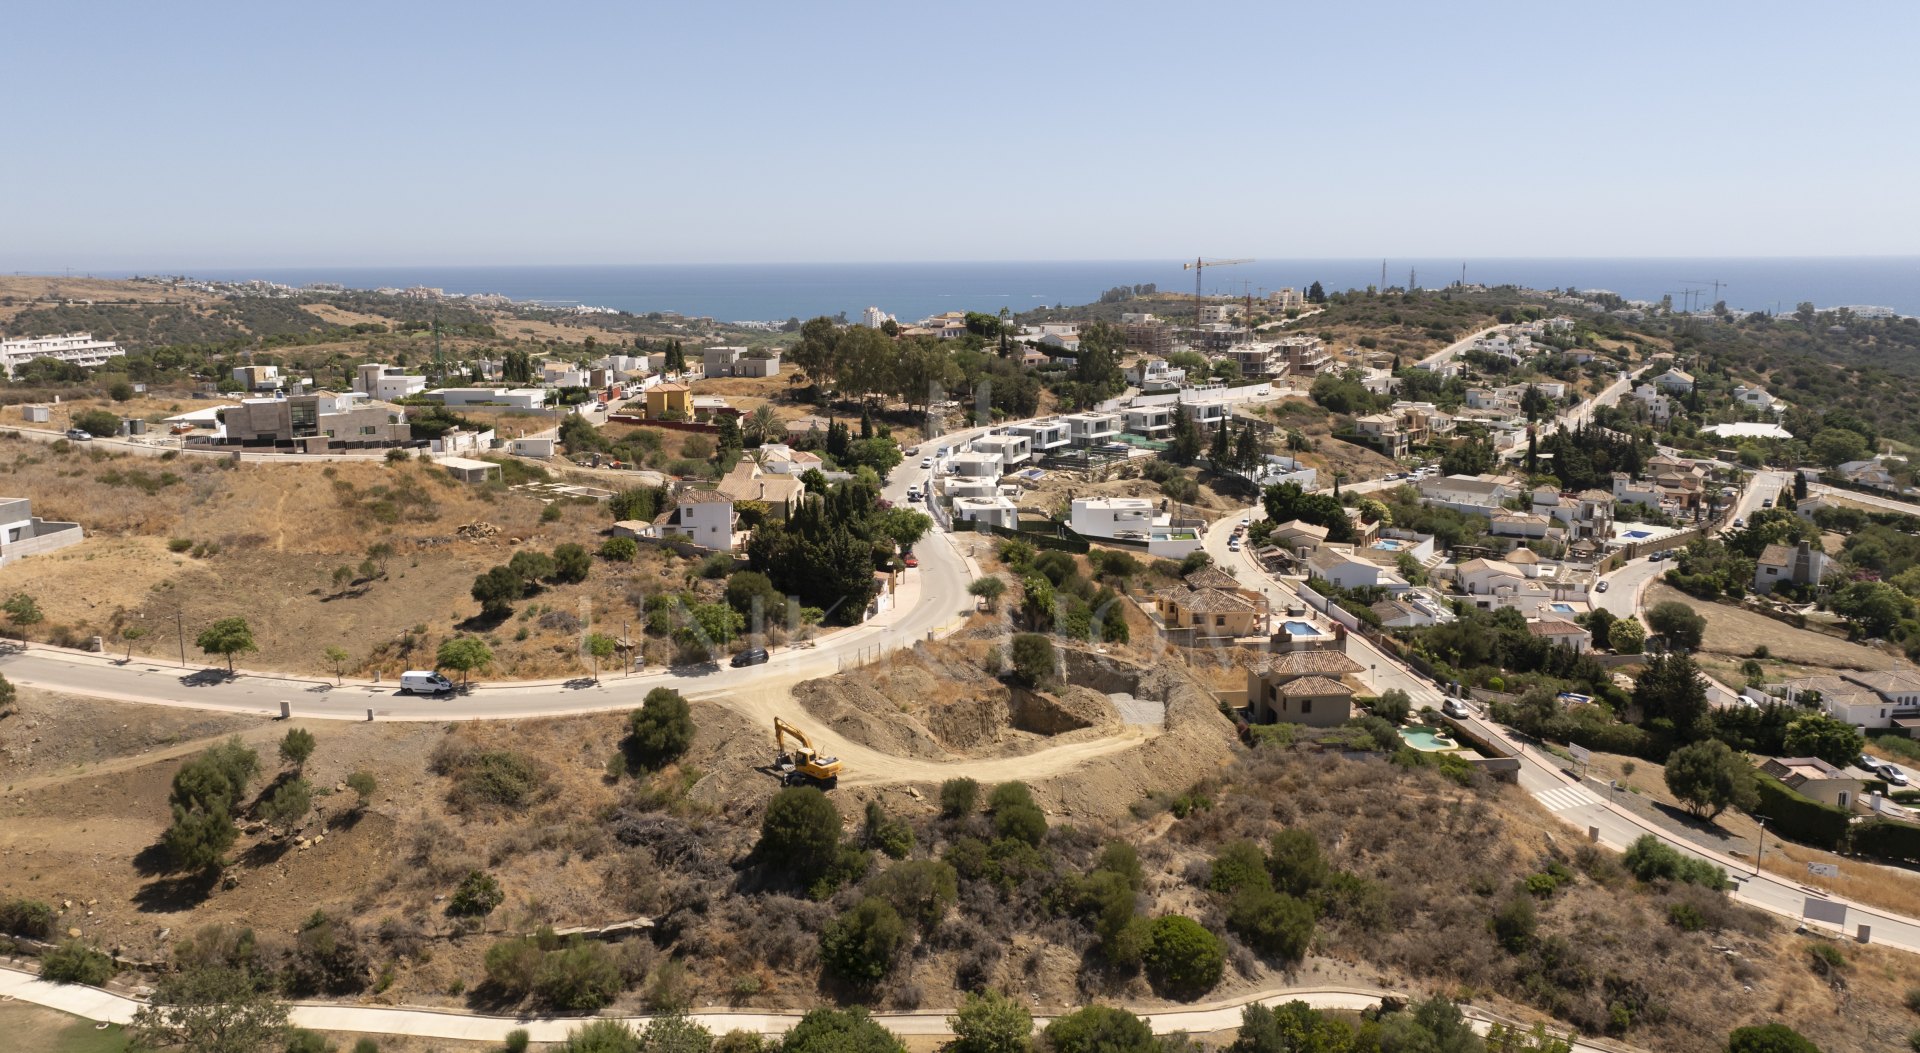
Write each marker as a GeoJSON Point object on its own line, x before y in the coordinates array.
{"type": "Point", "coordinates": [1199, 267]}
{"type": "Point", "coordinates": [802, 763]}
{"type": "Point", "coordinates": [1715, 282]}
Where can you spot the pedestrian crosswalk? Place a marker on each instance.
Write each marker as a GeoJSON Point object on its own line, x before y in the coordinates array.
{"type": "Point", "coordinates": [1562, 798]}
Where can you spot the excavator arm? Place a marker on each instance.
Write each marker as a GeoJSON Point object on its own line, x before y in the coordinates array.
{"type": "Point", "coordinates": [782, 729]}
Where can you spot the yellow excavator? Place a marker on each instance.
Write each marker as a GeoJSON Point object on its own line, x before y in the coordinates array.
{"type": "Point", "coordinates": [802, 763]}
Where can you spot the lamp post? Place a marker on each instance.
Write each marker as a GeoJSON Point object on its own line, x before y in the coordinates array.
{"type": "Point", "coordinates": [1761, 848]}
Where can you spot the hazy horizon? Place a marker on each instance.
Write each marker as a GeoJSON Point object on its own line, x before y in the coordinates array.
{"type": "Point", "coordinates": [230, 136]}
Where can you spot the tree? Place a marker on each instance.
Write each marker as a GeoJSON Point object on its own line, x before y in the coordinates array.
{"type": "Point", "coordinates": [1294, 1027]}
{"type": "Point", "coordinates": [98, 423]}
{"type": "Point", "coordinates": [639, 504]}
{"type": "Point", "coordinates": [531, 566]}
{"type": "Point", "coordinates": [296, 746]}
{"type": "Point", "coordinates": [287, 805]}
{"type": "Point", "coordinates": [1679, 623]}
{"type": "Point", "coordinates": [1769, 1038]}
{"type": "Point", "coordinates": [600, 647]}
{"type": "Point", "coordinates": [463, 654]}
{"type": "Point", "coordinates": [1273, 923]}
{"type": "Point", "coordinates": [990, 1022]}
{"type": "Point", "coordinates": [476, 897]}
{"type": "Point", "coordinates": [22, 611]}
{"type": "Point", "coordinates": [581, 976]}
{"type": "Point", "coordinates": [131, 634]}
{"type": "Point", "coordinates": [1626, 636]}
{"type": "Point", "coordinates": [800, 831]}
{"type": "Point", "coordinates": [210, 1009]}
{"type": "Point", "coordinates": [988, 588]}
{"type": "Point", "coordinates": [672, 1032]}
{"type": "Point", "coordinates": [228, 637]}
{"type": "Point", "coordinates": [1315, 294]}
{"type": "Point", "coordinates": [1819, 735]}
{"type": "Point", "coordinates": [840, 1031]}
{"type": "Point", "coordinates": [337, 658]}
{"type": "Point", "coordinates": [1295, 861]}
{"type": "Point", "coordinates": [362, 784]}
{"type": "Point", "coordinates": [1433, 1026]}
{"type": "Point", "coordinates": [1708, 776]}
{"type": "Point", "coordinates": [571, 563]}
{"type": "Point", "coordinates": [1182, 958]}
{"type": "Point", "coordinates": [922, 890]}
{"type": "Point", "coordinates": [8, 696]}
{"type": "Point", "coordinates": [1183, 446]}
{"type": "Point", "coordinates": [1393, 706]}
{"type": "Point", "coordinates": [1033, 659]}
{"type": "Point", "coordinates": [1837, 446]}
{"type": "Point", "coordinates": [859, 946]}
{"type": "Point", "coordinates": [958, 797]}
{"type": "Point", "coordinates": [198, 840]}
{"type": "Point", "coordinates": [1671, 688]}
{"type": "Point", "coordinates": [661, 729]}
{"type": "Point", "coordinates": [1100, 1029]}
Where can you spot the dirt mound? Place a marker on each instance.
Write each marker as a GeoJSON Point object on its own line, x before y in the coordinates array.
{"type": "Point", "coordinates": [1072, 709]}
{"type": "Point", "coordinates": [1197, 744]}
{"type": "Point", "coordinates": [853, 707]}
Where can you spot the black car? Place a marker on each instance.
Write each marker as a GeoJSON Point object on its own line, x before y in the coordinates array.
{"type": "Point", "coordinates": [750, 656]}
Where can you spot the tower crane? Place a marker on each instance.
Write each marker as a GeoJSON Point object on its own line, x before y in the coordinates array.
{"type": "Point", "coordinates": [1199, 267]}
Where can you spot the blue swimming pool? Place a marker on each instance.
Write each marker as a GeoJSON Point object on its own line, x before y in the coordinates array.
{"type": "Point", "coordinates": [1560, 608]}
{"type": "Point", "coordinates": [1428, 740]}
{"type": "Point", "coordinates": [1637, 534]}
{"type": "Point", "coordinates": [1300, 629]}
{"type": "Point", "coordinates": [1389, 544]}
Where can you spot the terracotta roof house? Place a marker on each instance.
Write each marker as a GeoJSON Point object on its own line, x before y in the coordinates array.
{"type": "Point", "coordinates": [1325, 701]}
{"type": "Point", "coordinates": [1815, 778]}
{"type": "Point", "coordinates": [1562, 632]}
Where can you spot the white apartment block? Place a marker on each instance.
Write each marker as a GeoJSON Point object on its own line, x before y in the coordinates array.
{"type": "Point", "coordinates": [386, 383]}
{"type": "Point", "coordinates": [80, 349]}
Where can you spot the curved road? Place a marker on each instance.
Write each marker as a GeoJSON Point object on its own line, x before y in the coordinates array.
{"type": "Point", "coordinates": [94, 1003]}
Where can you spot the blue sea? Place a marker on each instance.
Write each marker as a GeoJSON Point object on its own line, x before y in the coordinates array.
{"type": "Point", "coordinates": [910, 291]}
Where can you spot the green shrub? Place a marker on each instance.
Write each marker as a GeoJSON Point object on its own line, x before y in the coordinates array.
{"type": "Point", "coordinates": [1769, 1038]}
{"type": "Point", "coordinates": [581, 976]}
{"type": "Point", "coordinates": [921, 890]}
{"type": "Point", "coordinates": [1099, 1029]}
{"type": "Point", "coordinates": [1686, 917]}
{"type": "Point", "coordinates": [179, 544]}
{"type": "Point", "coordinates": [602, 1036]}
{"type": "Point", "coordinates": [860, 945]}
{"type": "Point", "coordinates": [959, 797]}
{"type": "Point", "coordinates": [1033, 659]}
{"type": "Point", "coordinates": [1238, 865]}
{"type": "Point", "coordinates": [800, 831]}
{"type": "Point", "coordinates": [477, 895]}
{"type": "Point", "coordinates": [1650, 859]}
{"type": "Point", "coordinates": [660, 731]}
{"type": "Point", "coordinates": [1273, 923]}
{"type": "Point", "coordinates": [304, 1041]}
{"type": "Point", "coordinates": [73, 962]}
{"type": "Point", "coordinates": [26, 917]}
{"type": "Point", "coordinates": [1514, 924]}
{"type": "Point", "coordinates": [1182, 958]}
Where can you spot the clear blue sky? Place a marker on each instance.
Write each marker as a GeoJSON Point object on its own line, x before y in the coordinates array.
{"type": "Point", "coordinates": [206, 135]}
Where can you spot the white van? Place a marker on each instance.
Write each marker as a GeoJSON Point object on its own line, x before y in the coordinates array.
{"type": "Point", "coordinates": [422, 682]}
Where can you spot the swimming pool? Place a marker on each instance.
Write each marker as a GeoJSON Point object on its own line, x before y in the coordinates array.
{"type": "Point", "coordinates": [1389, 544]}
{"type": "Point", "coordinates": [1635, 535]}
{"type": "Point", "coordinates": [1428, 740]}
{"type": "Point", "coordinates": [1560, 608]}
{"type": "Point", "coordinates": [1300, 629]}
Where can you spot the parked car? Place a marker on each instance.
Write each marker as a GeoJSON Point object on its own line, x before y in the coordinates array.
{"type": "Point", "coordinates": [910, 560]}
{"type": "Point", "coordinates": [1739, 522]}
{"type": "Point", "coordinates": [424, 682]}
{"type": "Point", "coordinates": [1768, 503]}
{"type": "Point", "coordinates": [1245, 523]}
{"type": "Point", "coordinates": [1454, 708]}
{"type": "Point", "coordinates": [79, 435]}
{"type": "Point", "coordinates": [1233, 544]}
{"type": "Point", "coordinates": [1602, 587]}
{"type": "Point", "coordinates": [750, 656]}
{"type": "Point", "coordinates": [926, 462]}
{"type": "Point", "coordinates": [1893, 775]}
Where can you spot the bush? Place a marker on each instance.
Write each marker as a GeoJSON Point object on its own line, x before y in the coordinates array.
{"type": "Point", "coordinates": [179, 544]}
{"type": "Point", "coordinates": [660, 731]}
{"type": "Point", "coordinates": [1294, 860]}
{"type": "Point", "coordinates": [602, 1036]}
{"type": "Point", "coordinates": [1236, 866]}
{"type": "Point", "coordinates": [840, 1031]}
{"type": "Point", "coordinates": [1273, 923]}
{"type": "Point", "coordinates": [477, 896]}
{"type": "Point", "coordinates": [26, 917]}
{"type": "Point", "coordinates": [304, 1041]}
{"type": "Point", "coordinates": [620, 549]}
{"type": "Point", "coordinates": [1182, 958]}
{"type": "Point", "coordinates": [512, 964]}
{"type": "Point", "coordinates": [494, 778]}
{"type": "Point", "coordinates": [73, 962]}
{"type": "Point", "coordinates": [1393, 706]}
{"type": "Point", "coordinates": [859, 946]}
{"type": "Point", "coordinates": [1021, 822]}
{"type": "Point", "coordinates": [579, 976]}
{"type": "Point", "coordinates": [296, 746]}
{"type": "Point", "coordinates": [98, 423]}
{"type": "Point", "coordinates": [921, 890]}
{"type": "Point", "coordinates": [1769, 1038]}
{"type": "Point", "coordinates": [991, 1022]}
{"type": "Point", "coordinates": [1099, 1029]}
{"type": "Point", "coordinates": [958, 797]}
{"type": "Point", "coordinates": [1033, 659]}
{"type": "Point", "coordinates": [1514, 924]}
{"type": "Point", "coordinates": [800, 831]}
{"type": "Point", "coordinates": [1686, 917]}
{"type": "Point", "coordinates": [1649, 859]}
{"type": "Point", "coordinates": [518, 1040]}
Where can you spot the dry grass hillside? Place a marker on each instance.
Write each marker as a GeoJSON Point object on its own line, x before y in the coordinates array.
{"type": "Point", "coordinates": [216, 539]}
{"type": "Point", "coordinates": [1417, 862]}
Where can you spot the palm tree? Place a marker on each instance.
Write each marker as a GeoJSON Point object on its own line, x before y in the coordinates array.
{"type": "Point", "coordinates": [761, 423]}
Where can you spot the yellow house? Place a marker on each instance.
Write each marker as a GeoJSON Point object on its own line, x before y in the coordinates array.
{"type": "Point", "coordinates": [669, 401]}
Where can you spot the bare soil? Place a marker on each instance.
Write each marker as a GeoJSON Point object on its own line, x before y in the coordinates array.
{"type": "Point", "coordinates": [1734, 632]}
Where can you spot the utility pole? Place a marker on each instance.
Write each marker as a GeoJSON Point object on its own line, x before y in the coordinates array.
{"type": "Point", "coordinates": [1383, 277]}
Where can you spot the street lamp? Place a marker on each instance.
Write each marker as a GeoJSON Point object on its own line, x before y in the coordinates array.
{"type": "Point", "coordinates": [1761, 848]}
